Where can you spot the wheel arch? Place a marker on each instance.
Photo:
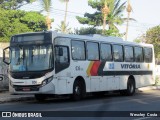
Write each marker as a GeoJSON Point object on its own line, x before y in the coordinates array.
{"type": "Point", "coordinates": [80, 83]}
{"type": "Point", "coordinates": [81, 79]}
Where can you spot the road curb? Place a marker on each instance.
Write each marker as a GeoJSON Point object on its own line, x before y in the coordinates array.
{"type": "Point", "coordinates": [149, 88]}
{"type": "Point", "coordinates": [4, 100]}
{"type": "Point", "coordinates": [5, 96]}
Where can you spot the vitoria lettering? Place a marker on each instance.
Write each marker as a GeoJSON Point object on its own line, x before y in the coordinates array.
{"type": "Point", "coordinates": [130, 66]}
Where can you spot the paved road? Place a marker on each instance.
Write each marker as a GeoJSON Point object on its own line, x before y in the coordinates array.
{"type": "Point", "coordinates": [143, 101]}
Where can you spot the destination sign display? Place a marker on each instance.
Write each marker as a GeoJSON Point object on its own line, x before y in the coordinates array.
{"type": "Point", "coordinates": [32, 37]}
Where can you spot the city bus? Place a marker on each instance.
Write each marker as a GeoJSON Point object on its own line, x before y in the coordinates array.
{"type": "Point", "coordinates": [50, 63]}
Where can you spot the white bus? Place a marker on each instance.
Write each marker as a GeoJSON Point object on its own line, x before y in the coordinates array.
{"type": "Point", "coordinates": [49, 63]}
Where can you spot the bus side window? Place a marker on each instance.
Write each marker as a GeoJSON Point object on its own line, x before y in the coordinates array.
{"type": "Point", "coordinates": [78, 50]}
{"type": "Point", "coordinates": [118, 53]}
{"type": "Point", "coordinates": [129, 57]}
{"type": "Point", "coordinates": [106, 52]}
{"type": "Point", "coordinates": [92, 51]}
{"type": "Point", "coordinates": [138, 53]}
{"type": "Point", "coordinates": [148, 55]}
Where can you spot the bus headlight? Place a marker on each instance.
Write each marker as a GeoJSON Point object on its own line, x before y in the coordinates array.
{"type": "Point", "coordinates": [46, 81]}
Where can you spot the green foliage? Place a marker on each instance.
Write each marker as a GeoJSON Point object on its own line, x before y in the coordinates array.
{"type": "Point", "coordinates": [62, 27]}
{"type": "Point", "coordinates": [92, 30]}
{"type": "Point", "coordinates": [46, 5]}
{"type": "Point", "coordinates": [13, 4]}
{"type": "Point", "coordinates": [85, 31]}
{"type": "Point", "coordinates": [34, 21]}
{"type": "Point", "coordinates": [94, 19]}
{"type": "Point", "coordinates": [153, 37]}
{"type": "Point", "coordinates": [64, 0]}
{"type": "Point", "coordinates": [114, 17]}
{"type": "Point", "coordinates": [16, 21]}
{"type": "Point", "coordinates": [137, 40]}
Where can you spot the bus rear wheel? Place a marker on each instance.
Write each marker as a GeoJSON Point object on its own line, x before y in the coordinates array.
{"type": "Point", "coordinates": [130, 87]}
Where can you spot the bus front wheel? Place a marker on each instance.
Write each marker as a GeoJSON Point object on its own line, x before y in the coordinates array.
{"type": "Point", "coordinates": [77, 91]}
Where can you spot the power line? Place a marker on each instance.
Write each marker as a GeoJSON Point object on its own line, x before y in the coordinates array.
{"type": "Point", "coordinates": [70, 15]}
{"type": "Point", "coordinates": [68, 11]}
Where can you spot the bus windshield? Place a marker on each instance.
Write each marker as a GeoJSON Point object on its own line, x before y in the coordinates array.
{"type": "Point", "coordinates": [31, 58]}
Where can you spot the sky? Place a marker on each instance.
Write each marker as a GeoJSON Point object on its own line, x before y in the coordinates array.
{"type": "Point", "coordinates": [146, 13]}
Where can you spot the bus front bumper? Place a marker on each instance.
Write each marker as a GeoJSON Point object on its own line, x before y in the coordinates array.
{"type": "Point", "coordinates": [32, 89]}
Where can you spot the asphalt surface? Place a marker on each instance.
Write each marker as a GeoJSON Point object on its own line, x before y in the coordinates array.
{"type": "Point", "coordinates": [92, 107]}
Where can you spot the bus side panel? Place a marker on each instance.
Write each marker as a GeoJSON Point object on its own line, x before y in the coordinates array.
{"type": "Point", "coordinates": [103, 83]}
{"type": "Point", "coordinates": [123, 82]}
{"type": "Point", "coordinates": [80, 69]}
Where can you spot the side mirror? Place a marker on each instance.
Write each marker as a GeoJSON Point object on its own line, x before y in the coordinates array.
{"type": "Point", "coordinates": [60, 51]}
{"type": "Point", "coordinates": [6, 58]}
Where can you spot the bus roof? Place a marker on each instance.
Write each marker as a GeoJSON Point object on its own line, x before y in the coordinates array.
{"type": "Point", "coordinates": [100, 38]}
{"type": "Point", "coordinates": [91, 37]}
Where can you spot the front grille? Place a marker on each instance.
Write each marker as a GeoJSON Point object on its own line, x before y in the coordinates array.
{"type": "Point", "coordinates": [26, 88]}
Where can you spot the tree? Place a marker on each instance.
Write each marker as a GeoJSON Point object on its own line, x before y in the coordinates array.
{"type": "Point", "coordinates": [93, 30]}
{"type": "Point", "coordinates": [137, 40]}
{"type": "Point", "coordinates": [63, 27]}
{"type": "Point", "coordinates": [114, 17]}
{"type": "Point", "coordinates": [105, 11]}
{"type": "Point", "coordinates": [16, 21]}
{"type": "Point", "coordinates": [85, 31]}
{"type": "Point", "coordinates": [153, 37]}
{"type": "Point", "coordinates": [13, 4]}
{"type": "Point", "coordinates": [65, 16]}
{"type": "Point", "coordinates": [129, 9]}
{"type": "Point", "coordinates": [140, 39]}
{"type": "Point", "coordinates": [34, 21]}
{"type": "Point", "coordinates": [46, 7]}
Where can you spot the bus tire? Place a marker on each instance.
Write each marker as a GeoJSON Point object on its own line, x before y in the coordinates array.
{"type": "Point", "coordinates": [130, 87]}
{"type": "Point", "coordinates": [77, 91]}
{"type": "Point", "coordinates": [40, 97]}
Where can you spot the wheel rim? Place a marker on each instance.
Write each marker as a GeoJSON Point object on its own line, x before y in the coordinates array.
{"type": "Point", "coordinates": [77, 90]}
{"type": "Point", "coordinates": [131, 88]}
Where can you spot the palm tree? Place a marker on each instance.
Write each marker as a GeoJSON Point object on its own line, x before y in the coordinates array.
{"type": "Point", "coordinates": [63, 27]}
{"type": "Point", "coordinates": [105, 11]}
{"type": "Point", "coordinates": [111, 12]}
{"type": "Point", "coordinates": [65, 16]}
{"type": "Point", "coordinates": [129, 9]}
{"type": "Point", "coordinates": [46, 7]}
{"type": "Point", "coordinates": [115, 15]}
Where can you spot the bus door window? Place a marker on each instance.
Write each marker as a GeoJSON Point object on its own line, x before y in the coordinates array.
{"type": "Point", "coordinates": [62, 58]}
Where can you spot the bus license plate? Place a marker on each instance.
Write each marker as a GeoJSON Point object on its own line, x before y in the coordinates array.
{"type": "Point", "coordinates": [26, 89]}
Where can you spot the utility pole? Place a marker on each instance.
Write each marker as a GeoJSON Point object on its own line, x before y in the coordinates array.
{"type": "Point", "coordinates": [128, 9]}
{"type": "Point", "coordinates": [105, 11]}
{"type": "Point", "coordinates": [65, 16]}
